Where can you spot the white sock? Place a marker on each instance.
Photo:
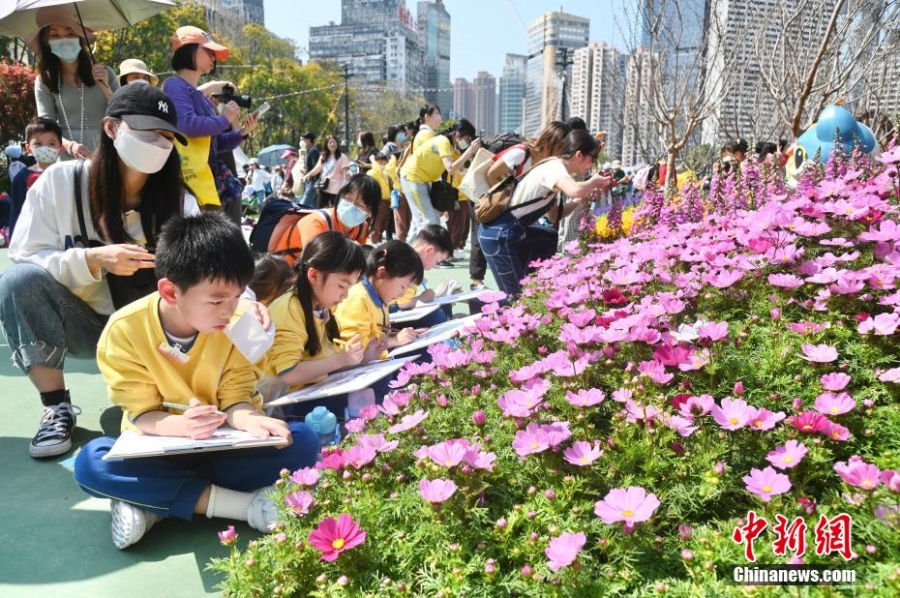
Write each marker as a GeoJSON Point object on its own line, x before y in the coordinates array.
{"type": "Point", "coordinates": [228, 504]}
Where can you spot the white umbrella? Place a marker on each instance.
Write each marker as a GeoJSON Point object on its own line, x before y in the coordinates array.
{"type": "Point", "coordinates": [19, 18]}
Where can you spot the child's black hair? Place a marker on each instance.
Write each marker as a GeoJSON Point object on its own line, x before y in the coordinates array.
{"type": "Point", "coordinates": [368, 188]}
{"type": "Point", "coordinates": [398, 258]}
{"type": "Point", "coordinates": [329, 253]}
{"type": "Point", "coordinates": [437, 236]}
{"type": "Point", "coordinates": [272, 278]}
{"type": "Point", "coordinates": [194, 249]}
{"type": "Point", "coordinates": [40, 125]}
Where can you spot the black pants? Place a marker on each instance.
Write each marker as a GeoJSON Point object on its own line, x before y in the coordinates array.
{"type": "Point", "coordinates": [477, 261]}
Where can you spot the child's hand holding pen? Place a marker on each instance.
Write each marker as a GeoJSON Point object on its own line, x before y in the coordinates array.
{"type": "Point", "coordinates": [374, 349]}
{"type": "Point", "coordinates": [353, 351]}
{"type": "Point", "coordinates": [199, 420]}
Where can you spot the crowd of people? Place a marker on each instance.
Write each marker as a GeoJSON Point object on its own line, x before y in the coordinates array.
{"type": "Point", "coordinates": [126, 249]}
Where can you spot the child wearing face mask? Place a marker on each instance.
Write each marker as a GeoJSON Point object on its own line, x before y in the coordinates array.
{"type": "Point", "coordinates": [44, 141]}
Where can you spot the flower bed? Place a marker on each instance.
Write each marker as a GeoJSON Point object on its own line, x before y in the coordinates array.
{"type": "Point", "coordinates": [626, 427]}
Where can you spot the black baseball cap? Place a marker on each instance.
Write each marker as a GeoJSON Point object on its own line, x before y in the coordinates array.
{"type": "Point", "coordinates": [144, 107]}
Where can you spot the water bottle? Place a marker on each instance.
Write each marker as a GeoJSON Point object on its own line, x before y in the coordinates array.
{"type": "Point", "coordinates": [354, 168]}
{"type": "Point", "coordinates": [395, 199]}
{"type": "Point", "coordinates": [324, 423]}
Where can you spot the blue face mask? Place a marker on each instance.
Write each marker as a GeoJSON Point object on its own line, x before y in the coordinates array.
{"type": "Point", "coordinates": [67, 49]}
{"type": "Point", "coordinates": [401, 137]}
{"type": "Point", "coordinates": [349, 214]}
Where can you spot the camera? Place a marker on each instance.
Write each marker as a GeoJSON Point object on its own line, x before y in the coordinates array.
{"type": "Point", "coordinates": [227, 94]}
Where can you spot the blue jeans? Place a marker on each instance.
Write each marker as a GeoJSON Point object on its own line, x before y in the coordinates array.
{"type": "Point", "coordinates": [171, 486]}
{"type": "Point", "coordinates": [44, 321]}
{"type": "Point", "coordinates": [509, 246]}
{"type": "Point", "coordinates": [310, 197]}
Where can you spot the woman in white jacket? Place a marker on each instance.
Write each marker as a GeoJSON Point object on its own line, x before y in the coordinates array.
{"type": "Point", "coordinates": [56, 299]}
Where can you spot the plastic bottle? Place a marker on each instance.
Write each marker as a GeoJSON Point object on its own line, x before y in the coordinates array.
{"type": "Point", "coordinates": [395, 199]}
{"type": "Point", "coordinates": [324, 423]}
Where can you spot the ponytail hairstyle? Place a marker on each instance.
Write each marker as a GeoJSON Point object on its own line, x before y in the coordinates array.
{"type": "Point", "coordinates": [426, 110]}
{"type": "Point", "coordinates": [579, 140]}
{"type": "Point", "coordinates": [551, 142]}
{"type": "Point", "coordinates": [329, 253]}
{"type": "Point", "coordinates": [399, 259]}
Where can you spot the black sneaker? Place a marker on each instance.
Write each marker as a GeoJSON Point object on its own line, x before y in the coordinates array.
{"type": "Point", "coordinates": [55, 434]}
{"type": "Point", "coordinates": [445, 264]}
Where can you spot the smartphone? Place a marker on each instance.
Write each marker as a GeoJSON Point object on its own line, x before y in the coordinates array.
{"type": "Point", "coordinates": [263, 108]}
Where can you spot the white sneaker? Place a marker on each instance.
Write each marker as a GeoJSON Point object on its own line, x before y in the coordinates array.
{"type": "Point", "coordinates": [129, 523]}
{"type": "Point", "coordinates": [262, 513]}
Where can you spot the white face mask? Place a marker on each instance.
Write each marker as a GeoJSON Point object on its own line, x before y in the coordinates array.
{"type": "Point", "coordinates": [66, 49]}
{"type": "Point", "coordinates": [462, 144]}
{"type": "Point", "coordinates": [303, 145]}
{"type": "Point", "coordinates": [144, 151]}
{"type": "Point", "coordinates": [45, 154]}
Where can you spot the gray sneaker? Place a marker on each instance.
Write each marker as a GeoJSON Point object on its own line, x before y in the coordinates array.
{"type": "Point", "coordinates": [129, 523]}
{"type": "Point", "coordinates": [262, 514]}
{"type": "Point", "coordinates": [55, 434]}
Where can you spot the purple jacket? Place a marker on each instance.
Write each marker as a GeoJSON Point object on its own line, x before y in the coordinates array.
{"type": "Point", "coordinates": [197, 118]}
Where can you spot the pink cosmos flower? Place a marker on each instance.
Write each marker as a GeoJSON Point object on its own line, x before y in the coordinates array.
{"type": "Point", "coordinates": [809, 422]}
{"type": "Point", "coordinates": [819, 353]}
{"type": "Point", "coordinates": [835, 381]}
{"type": "Point", "coordinates": [785, 281]}
{"type": "Point", "coordinates": [409, 422]}
{"type": "Point", "coordinates": [891, 479]}
{"type": "Point", "coordinates": [524, 402]}
{"type": "Point", "coordinates": [557, 433]}
{"type": "Point", "coordinates": [358, 456]}
{"type": "Point", "coordinates": [762, 419]}
{"type": "Point", "coordinates": [724, 278]}
{"type": "Point", "coordinates": [829, 403]}
{"type": "Point", "coordinates": [448, 454]}
{"type": "Point", "coordinates": [305, 477]}
{"type": "Point", "coordinates": [637, 413]}
{"type": "Point", "coordinates": [334, 536]}
{"type": "Point", "coordinates": [492, 296]}
{"type": "Point", "coordinates": [697, 360]}
{"type": "Point", "coordinates": [334, 459]}
{"type": "Point", "coordinates": [806, 327]}
{"type": "Point", "coordinates": [585, 398]}
{"type": "Point", "coordinates": [655, 371]}
{"type": "Point", "coordinates": [788, 455]}
{"type": "Point", "coordinates": [377, 442]}
{"type": "Point", "coordinates": [682, 425]}
{"type": "Point", "coordinates": [631, 505]}
{"type": "Point", "coordinates": [299, 502]}
{"type": "Point", "coordinates": [891, 375]}
{"type": "Point", "coordinates": [697, 406]}
{"type": "Point", "coordinates": [564, 549]}
{"type": "Point", "coordinates": [533, 439]}
{"type": "Point", "coordinates": [733, 414]}
{"type": "Point", "coordinates": [858, 473]}
{"type": "Point", "coordinates": [836, 432]}
{"type": "Point", "coordinates": [887, 231]}
{"type": "Point", "coordinates": [355, 426]}
{"type": "Point", "coordinates": [880, 325]}
{"type": "Point", "coordinates": [581, 453]}
{"type": "Point", "coordinates": [228, 537]}
{"type": "Point", "coordinates": [436, 491]}
{"type": "Point", "coordinates": [766, 483]}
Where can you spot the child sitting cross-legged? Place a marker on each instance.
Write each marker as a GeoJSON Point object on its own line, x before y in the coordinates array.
{"type": "Point", "coordinates": [170, 347]}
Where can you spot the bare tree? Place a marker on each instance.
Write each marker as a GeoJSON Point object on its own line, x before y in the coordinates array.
{"type": "Point", "coordinates": [685, 83]}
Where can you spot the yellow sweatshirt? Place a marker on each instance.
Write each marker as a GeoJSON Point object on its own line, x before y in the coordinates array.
{"type": "Point", "coordinates": [290, 338]}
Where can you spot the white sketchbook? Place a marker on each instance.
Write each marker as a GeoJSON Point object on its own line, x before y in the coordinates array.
{"type": "Point", "coordinates": [436, 334]}
{"type": "Point", "coordinates": [131, 445]}
{"type": "Point", "coordinates": [411, 315]}
{"type": "Point", "coordinates": [344, 382]}
{"type": "Point", "coordinates": [448, 299]}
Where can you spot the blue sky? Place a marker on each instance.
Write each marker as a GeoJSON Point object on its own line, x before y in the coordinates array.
{"type": "Point", "coordinates": [483, 31]}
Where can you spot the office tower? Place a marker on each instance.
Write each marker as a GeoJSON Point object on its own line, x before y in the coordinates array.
{"type": "Point", "coordinates": [598, 92]}
{"type": "Point", "coordinates": [512, 93]}
{"type": "Point", "coordinates": [463, 99]}
{"type": "Point", "coordinates": [434, 41]}
{"type": "Point", "coordinates": [553, 36]}
{"type": "Point", "coordinates": [485, 115]}
{"type": "Point", "coordinates": [641, 143]}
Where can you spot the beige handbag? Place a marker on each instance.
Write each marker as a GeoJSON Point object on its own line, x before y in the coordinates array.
{"type": "Point", "coordinates": [475, 183]}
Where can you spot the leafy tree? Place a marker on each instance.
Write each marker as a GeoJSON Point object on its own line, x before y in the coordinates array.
{"type": "Point", "coordinates": [389, 107]}
{"type": "Point", "coordinates": [17, 90]}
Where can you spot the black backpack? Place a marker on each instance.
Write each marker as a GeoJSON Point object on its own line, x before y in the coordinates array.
{"type": "Point", "coordinates": [503, 142]}
{"type": "Point", "coordinates": [268, 220]}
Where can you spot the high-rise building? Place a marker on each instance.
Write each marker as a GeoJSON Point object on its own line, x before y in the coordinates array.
{"type": "Point", "coordinates": [547, 36]}
{"type": "Point", "coordinates": [251, 11]}
{"type": "Point", "coordinates": [434, 41]}
{"type": "Point", "coordinates": [377, 38]}
{"type": "Point", "coordinates": [463, 99]}
{"type": "Point", "coordinates": [512, 93]}
{"type": "Point", "coordinates": [485, 117]}
{"type": "Point", "coordinates": [640, 142]}
{"type": "Point", "coordinates": [598, 91]}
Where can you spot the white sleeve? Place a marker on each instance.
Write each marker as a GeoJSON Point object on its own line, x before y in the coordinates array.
{"type": "Point", "coordinates": [513, 157]}
{"type": "Point", "coordinates": [552, 173]}
{"type": "Point", "coordinates": [44, 238]}
{"type": "Point", "coordinates": [191, 207]}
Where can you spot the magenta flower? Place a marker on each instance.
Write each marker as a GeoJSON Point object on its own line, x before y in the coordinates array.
{"type": "Point", "coordinates": [377, 442]}
{"type": "Point", "coordinates": [819, 353]}
{"type": "Point", "coordinates": [697, 406]}
{"type": "Point", "coordinates": [436, 491]}
{"type": "Point", "coordinates": [788, 455]}
{"type": "Point", "coordinates": [785, 281]}
{"type": "Point", "coordinates": [492, 296]}
{"type": "Point", "coordinates": [766, 483]}
{"type": "Point", "coordinates": [631, 505]}
{"type": "Point", "coordinates": [305, 477]}
{"type": "Point", "coordinates": [891, 479]}
{"type": "Point", "coordinates": [581, 453]}
{"type": "Point", "coordinates": [299, 502]}
{"type": "Point", "coordinates": [533, 439]}
{"type": "Point", "coordinates": [334, 536]}
{"type": "Point", "coordinates": [809, 422]}
{"type": "Point", "coordinates": [228, 537]}
{"type": "Point", "coordinates": [713, 331]}
{"type": "Point", "coordinates": [724, 278]}
{"type": "Point", "coordinates": [355, 426]}
{"type": "Point", "coordinates": [448, 454]}
{"type": "Point", "coordinates": [585, 398]}
{"type": "Point", "coordinates": [835, 381]}
{"type": "Point", "coordinates": [836, 432]}
{"type": "Point", "coordinates": [806, 327]}
{"type": "Point", "coordinates": [409, 422]}
{"type": "Point", "coordinates": [858, 473]}
{"type": "Point", "coordinates": [762, 419]}
{"type": "Point", "coordinates": [557, 433]}
{"type": "Point", "coordinates": [829, 403]}
{"type": "Point", "coordinates": [891, 375]}
{"type": "Point", "coordinates": [733, 414]}
{"type": "Point", "coordinates": [564, 549]}
{"type": "Point", "coordinates": [880, 325]}
{"type": "Point", "coordinates": [334, 459]}
{"type": "Point", "coordinates": [358, 456]}
{"type": "Point", "coordinates": [682, 425]}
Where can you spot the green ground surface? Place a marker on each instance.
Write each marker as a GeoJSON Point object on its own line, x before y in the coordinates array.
{"type": "Point", "coordinates": [55, 540]}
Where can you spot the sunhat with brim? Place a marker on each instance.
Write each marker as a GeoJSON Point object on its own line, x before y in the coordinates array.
{"type": "Point", "coordinates": [195, 35]}
{"type": "Point", "coordinates": [132, 66]}
{"type": "Point", "coordinates": [145, 108]}
{"type": "Point", "coordinates": [61, 14]}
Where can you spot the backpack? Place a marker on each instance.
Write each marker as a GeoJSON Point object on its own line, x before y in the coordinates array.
{"type": "Point", "coordinates": [269, 218]}
{"type": "Point", "coordinates": [520, 169]}
{"type": "Point", "coordinates": [496, 202]}
{"type": "Point", "coordinates": [503, 142]}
